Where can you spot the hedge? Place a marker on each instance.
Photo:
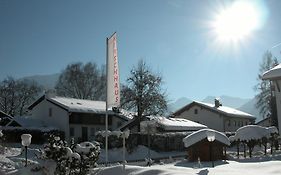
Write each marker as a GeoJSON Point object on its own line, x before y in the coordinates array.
{"type": "Point", "coordinates": [159, 141]}
{"type": "Point", "coordinates": [39, 136]}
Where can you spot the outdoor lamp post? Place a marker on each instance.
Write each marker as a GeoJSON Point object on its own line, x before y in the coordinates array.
{"type": "Point", "coordinates": [25, 141]}
{"type": "Point", "coordinates": [125, 135]}
{"type": "Point", "coordinates": [211, 136]}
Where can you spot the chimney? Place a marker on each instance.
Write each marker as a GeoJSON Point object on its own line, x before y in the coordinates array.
{"type": "Point", "coordinates": [217, 102]}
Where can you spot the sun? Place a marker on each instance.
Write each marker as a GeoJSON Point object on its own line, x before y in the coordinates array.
{"type": "Point", "coordinates": [237, 22]}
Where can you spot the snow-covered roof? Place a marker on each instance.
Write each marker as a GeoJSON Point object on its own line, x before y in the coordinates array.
{"type": "Point", "coordinates": [249, 132]}
{"type": "Point", "coordinates": [202, 134]}
{"type": "Point", "coordinates": [273, 73]}
{"type": "Point", "coordinates": [81, 105]}
{"type": "Point", "coordinates": [228, 111]}
{"type": "Point", "coordinates": [176, 124]}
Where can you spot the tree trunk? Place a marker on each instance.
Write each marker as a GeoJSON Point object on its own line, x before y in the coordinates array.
{"type": "Point", "coordinates": [244, 150]}
{"type": "Point", "coordinates": [238, 145]}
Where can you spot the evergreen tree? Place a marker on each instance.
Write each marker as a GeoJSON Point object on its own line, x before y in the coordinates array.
{"type": "Point", "coordinates": [265, 99]}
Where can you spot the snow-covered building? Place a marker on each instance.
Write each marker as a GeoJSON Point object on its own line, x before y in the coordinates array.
{"type": "Point", "coordinates": [163, 124]}
{"type": "Point", "coordinates": [198, 146]}
{"type": "Point", "coordinates": [77, 118]}
{"type": "Point", "coordinates": [215, 116]}
{"type": "Point", "coordinates": [274, 75]}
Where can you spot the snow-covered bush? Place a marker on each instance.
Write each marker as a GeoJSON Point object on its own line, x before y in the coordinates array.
{"type": "Point", "coordinates": [89, 154]}
{"type": "Point", "coordinates": [252, 135]}
{"type": "Point", "coordinates": [75, 159]}
{"type": "Point", "coordinates": [56, 150]}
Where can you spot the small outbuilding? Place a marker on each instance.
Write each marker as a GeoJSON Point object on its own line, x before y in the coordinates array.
{"type": "Point", "coordinates": [199, 146]}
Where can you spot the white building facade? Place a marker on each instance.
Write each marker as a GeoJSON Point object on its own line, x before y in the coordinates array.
{"type": "Point", "coordinates": [77, 118]}
{"type": "Point", "coordinates": [217, 117]}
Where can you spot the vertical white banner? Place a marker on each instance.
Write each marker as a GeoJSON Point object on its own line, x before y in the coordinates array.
{"type": "Point", "coordinates": [113, 88]}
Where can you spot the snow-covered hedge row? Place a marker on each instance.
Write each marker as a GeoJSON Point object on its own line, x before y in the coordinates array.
{"type": "Point", "coordinates": [13, 134]}
{"type": "Point", "coordinates": [159, 141]}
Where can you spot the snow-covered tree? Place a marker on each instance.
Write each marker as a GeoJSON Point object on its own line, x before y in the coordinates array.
{"type": "Point", "coordinates": [16, 95]}
{"type": "Point", "coordinates": [143, 92]}
{"type": "Point", "coordinates": [83, 81]}
{"type": "Point", "coordinates": [265, 100]}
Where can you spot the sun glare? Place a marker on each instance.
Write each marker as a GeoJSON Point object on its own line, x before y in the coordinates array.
{"type": "Point", "coordinates": [237, 22]}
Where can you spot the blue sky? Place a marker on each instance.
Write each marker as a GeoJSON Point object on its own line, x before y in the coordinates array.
{"type": "Point", "coordinates": [40, 37]}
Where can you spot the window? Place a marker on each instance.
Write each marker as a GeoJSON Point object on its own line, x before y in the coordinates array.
{"type": "Point", "coordinates": [50, 112]}
{"type": "Point", "coordinates": [195, 111]}
{"type": "Point", "coordinates": [234, 123]}
{"type": "Point", "coordinates": [228, 123]}
{"type": "Point", "coordinates": [92, 131]}
{"type": "Point", "coordinates": [71, 132]}
{"type": "Point", "coordinates": [246, 123]}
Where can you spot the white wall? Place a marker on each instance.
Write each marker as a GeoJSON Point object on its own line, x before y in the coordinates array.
{"type": "Point", "coordinates": [278, 102]}
{"type": "Point", "coordinates": [59, 118]}
{"type": "Point", "coordinates": [235, 123]}
{"type": "Point", "coordinates": [205, 117]}
{"type": "Point", "coordinates": [95, 128]}
{"type": "Point", "coordinates": [78, 130]}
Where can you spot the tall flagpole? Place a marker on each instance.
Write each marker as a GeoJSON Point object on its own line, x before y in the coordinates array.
{"type": "Point", "coordinates": [106, 109]}
{"type": "Point", "coordinates": [112, 83]}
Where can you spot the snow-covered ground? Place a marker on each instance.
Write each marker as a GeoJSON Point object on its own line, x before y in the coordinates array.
{"type": "Point", "coordinates": [12, 162]}
{"type": "Point", "coordinates": [139, 153]}
{"type": "Point", "coordinates": [230, 167]}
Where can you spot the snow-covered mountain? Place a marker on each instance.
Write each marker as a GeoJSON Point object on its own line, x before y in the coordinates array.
{"type": "Point", "coordinates": [179, 103]}
{"type": "Point", "coordinates": [250, 107]}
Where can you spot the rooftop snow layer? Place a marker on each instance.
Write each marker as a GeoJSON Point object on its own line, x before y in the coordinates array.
{"type": "Point", "coordinates": [176, 124]}
{"type": "Point", "coordinates": [226, 110]}
{"type": "Point", "coordinates": [85, 106]}
{"type": "Point", "coordinates": [272, 73]}
{"type": "Point", "coordinates": [79, 105]}
{"type": "Point", "coordinates": [201, 135]}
